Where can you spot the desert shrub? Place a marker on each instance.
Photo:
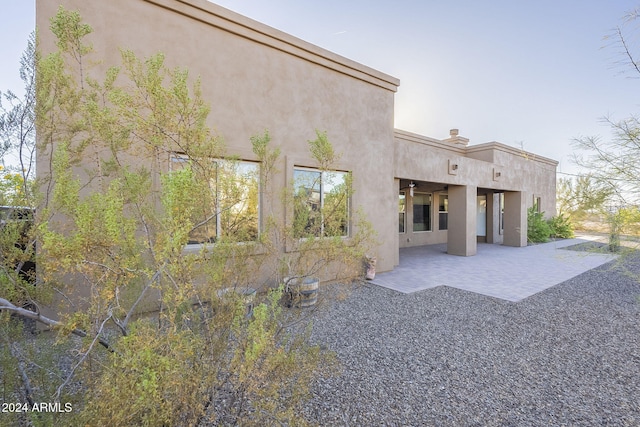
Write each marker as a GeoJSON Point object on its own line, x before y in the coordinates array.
{"type": "Point", "coordinates": [538, 230]}
{"type": "Point", "coordinates": [561, 227]}
{"type": "Point", "coordinates": [213, 366]}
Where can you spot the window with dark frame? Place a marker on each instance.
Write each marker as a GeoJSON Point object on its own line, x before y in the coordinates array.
{"type": "Point", "coordinates": [537, 204]}
{"type": "Point", "coordinates": [228, 205]}
{"type": "Point", "coordinates": [421, 212]}
{"type": "Point", "coordinates": [321, 203]}
{"type": "Point", "coordinates": [443, 212]}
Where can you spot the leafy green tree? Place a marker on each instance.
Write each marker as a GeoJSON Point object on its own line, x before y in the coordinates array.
{"type": "Point", "coordinates": [577, 198]}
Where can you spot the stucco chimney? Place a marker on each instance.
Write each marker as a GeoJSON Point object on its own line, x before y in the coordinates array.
{"type": "Point", "coordinates": [456, 139]}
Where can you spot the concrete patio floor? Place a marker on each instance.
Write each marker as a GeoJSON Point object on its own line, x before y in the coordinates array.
{"type": "Point", "coordinates": [498, 271]}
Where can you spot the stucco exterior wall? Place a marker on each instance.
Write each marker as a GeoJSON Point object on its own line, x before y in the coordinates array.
{"type": "Point", "coordinates": [492, 167]}
{"type": "Point", "coordinates": [257, 78]}
{"type": "Point", "coordinates": [426, 159]}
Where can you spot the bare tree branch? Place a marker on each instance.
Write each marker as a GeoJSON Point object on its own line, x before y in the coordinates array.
{"type": "Point", "coordinates": [627, 51]}
{"type": "Point", "coordinates": [28, 314]}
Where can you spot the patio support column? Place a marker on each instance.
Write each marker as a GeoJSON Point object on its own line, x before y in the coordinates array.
{"type": "Point", "coordinates": [461, 234]}
{"type": "Point", "coordinates": [515, 219]}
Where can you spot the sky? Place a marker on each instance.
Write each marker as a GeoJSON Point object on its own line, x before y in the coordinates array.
{"type": "Point", "coordinates": [529, 74]}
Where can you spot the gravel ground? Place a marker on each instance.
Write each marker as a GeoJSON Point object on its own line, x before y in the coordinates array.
{"type": "Point", "coordinates": [445, 357]}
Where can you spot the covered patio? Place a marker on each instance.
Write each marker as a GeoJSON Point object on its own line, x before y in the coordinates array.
{"type": "Point", "coordinates": [509, 273]}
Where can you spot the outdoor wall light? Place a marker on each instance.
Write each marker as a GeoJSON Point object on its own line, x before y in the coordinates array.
{"type": "Point", "coordinates": [498, 174]}
{"type": "Point", "coordinates": [411, 187]}
{"type": "Point", "coordinates": [452, 168]}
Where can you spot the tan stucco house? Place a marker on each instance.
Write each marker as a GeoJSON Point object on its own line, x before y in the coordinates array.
{"type": "Point", "coordinates": [416, 190]}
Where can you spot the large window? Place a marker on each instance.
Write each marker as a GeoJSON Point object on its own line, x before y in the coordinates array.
{"type": "Point", "coordinates": [421, 212]}
{"type": "Point", "coordinates": [225, 199]}
{"type": "Point", "coordinates": [321, 203]}
{"type": "Point", "coordinates": [443, 212]}
{"type": "Point", "coordinates": [537, 204]}
{"type": "Point", "coordinates": [402, 212]}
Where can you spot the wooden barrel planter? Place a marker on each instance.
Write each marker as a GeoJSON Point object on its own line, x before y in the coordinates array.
{"type": "Point", "coordinates": [303, 292]}
{"type": "Point", "coordinates": [248, 296]}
